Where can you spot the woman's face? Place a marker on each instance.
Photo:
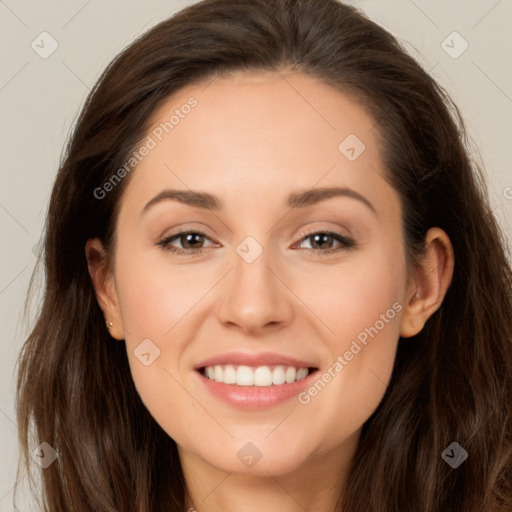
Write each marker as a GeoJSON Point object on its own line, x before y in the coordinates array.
{"type": "Point", "coordinates": [301, 266]}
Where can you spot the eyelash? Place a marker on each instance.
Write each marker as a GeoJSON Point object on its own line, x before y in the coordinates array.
{"type": "Point", "coordinates": [347, 243]}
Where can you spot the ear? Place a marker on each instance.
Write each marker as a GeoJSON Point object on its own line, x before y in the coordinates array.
{"type": "Point", "coordinates": [104, 286]}
{"type": "Point", "coordinates": [427, 288]}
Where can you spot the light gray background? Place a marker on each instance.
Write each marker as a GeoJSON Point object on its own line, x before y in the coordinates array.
{"type": "Point", "coordinates": [39, 99]}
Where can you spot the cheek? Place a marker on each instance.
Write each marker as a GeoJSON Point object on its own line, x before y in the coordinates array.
{"type": "Point", "coordinates": [153, 301]}
{"type": "Point", "coordinates": [354, 295]}
{"type": "Point", "coordinates": [158, 301]}
{"type": "Point", "coordinates": [154, 295]}
{"type": "Point", "coordinates": [362, 311]}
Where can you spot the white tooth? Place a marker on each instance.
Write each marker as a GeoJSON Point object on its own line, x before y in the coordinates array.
{"type": "Point", "coordinates": [229, 374]}
{"type": "Point", "coordinates": [278, 375]}
{"type": "Point", "coordinates": [302, 373]}
{"type": "Point", "coordinates": [290, 374]}
{"type": "Point", "coordinates": [245, 376]}
{"type": "Point", "coordinates": [263, 376]}
{"type": "Point", "coordinates": [218, 372]}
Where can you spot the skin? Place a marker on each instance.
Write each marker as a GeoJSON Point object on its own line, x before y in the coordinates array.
{"type": "Point", "coordinates": [253, 138]}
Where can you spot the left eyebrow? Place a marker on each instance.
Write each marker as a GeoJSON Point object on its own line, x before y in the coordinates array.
{"type": "Point", "coordinates": [312, 196]}
{"type": "Point", "coordinates": [299, 199]}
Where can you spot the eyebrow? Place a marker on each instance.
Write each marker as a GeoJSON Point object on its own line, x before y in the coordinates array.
{"type": "Point", "coordinates": [299, 199]}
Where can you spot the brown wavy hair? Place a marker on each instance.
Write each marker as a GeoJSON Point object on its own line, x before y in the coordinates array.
{"type": "Point", "coordinates": [451, 382]}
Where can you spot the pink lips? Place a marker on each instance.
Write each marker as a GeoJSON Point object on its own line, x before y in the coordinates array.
{"type": "Point", "coordinates": [261, 359]}
{"type": "Point", "coordinates": [254, 397]}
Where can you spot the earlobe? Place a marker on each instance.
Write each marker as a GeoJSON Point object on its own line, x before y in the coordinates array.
{"type": "Point", "coordinates": [428, 287]}
{"type": "Point", "coordinates": [104, 287]}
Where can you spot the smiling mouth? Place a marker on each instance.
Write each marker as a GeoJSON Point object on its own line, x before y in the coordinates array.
{"type": "Point", "coordinates": [259, 376]}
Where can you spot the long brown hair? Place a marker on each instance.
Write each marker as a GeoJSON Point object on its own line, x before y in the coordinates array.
{"type": "Point", "coordinates": [451, 383]}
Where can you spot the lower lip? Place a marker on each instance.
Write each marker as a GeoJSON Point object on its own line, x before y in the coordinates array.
{"type": "Point", "coordinates": [255, 397]}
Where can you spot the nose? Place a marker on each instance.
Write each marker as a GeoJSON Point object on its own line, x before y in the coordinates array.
{"type": "Point", "coordinates": [255, 296]}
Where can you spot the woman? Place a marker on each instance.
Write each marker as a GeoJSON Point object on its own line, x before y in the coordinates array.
{"type": "Point", "coordinates": [273, 280]}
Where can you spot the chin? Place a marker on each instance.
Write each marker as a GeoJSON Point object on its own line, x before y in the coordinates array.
{"type": "Point", "coordinates": [255, 458]}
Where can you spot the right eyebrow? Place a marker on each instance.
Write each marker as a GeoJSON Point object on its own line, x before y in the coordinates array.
{"type": "Point", "coordinates": [299, 199]}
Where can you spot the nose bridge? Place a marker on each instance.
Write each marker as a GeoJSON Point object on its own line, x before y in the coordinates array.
{"type": "Point", "coordinates": [252, 264]}
{"type": "Point", "coordinates": [256, 296]}
{"type": "Point", "coordinates": [251, 273]}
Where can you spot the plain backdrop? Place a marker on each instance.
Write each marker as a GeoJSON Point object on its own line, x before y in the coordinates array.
{"type": "Point", "coordinates": [40, 96]}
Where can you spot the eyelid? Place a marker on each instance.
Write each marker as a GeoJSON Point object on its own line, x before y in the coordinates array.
{"type": "Point", "coordinates": [323, 229]}
{"type": "Point", "coordinates": [200, 231]}
{"type": "Point", "coordinates": [346, 242]}
{"type": "Point", "coordinates": [164, 240]}
{"type": "Point", "coordinates": [186, 228]}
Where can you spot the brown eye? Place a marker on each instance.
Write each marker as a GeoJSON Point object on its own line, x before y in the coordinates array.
{"type": "Point", "coordinates": [324, 242]}
{"type": "Point", "coordinates": [190, 242]}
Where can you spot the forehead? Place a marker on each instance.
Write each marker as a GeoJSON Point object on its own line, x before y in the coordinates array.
{"type": "Point", "coordinates": [259, 132]}
{"type": "Point", "coordinates": [262, 109]}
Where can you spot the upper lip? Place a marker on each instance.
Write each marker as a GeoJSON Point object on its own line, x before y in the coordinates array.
{"type": "Point", "coordinates": [260, 359]}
